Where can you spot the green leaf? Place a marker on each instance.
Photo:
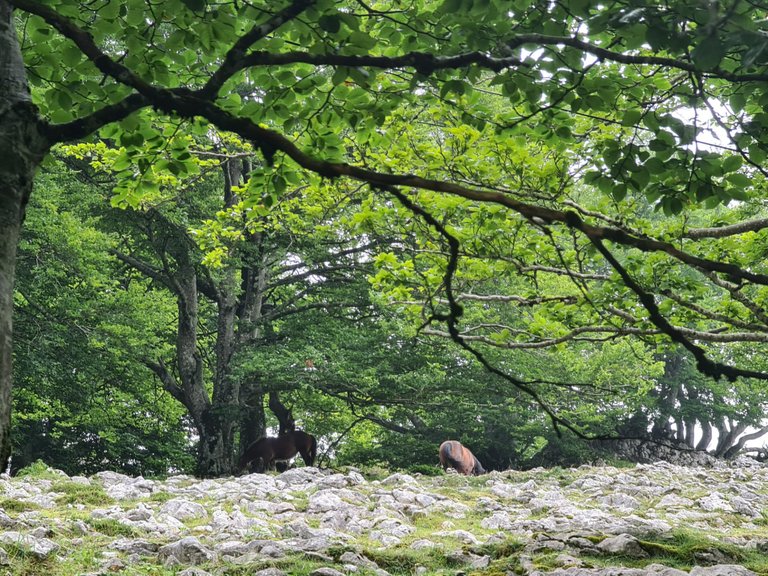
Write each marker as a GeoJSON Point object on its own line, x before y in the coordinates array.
{"type": "Point", "coordinates": [331, 23]}
{"type": "Point", "coordinates": [654, 165]}
{"type": "Point", "coordinates": [732, 163]}
{"type": "Point", "coordinates": [657, 37]}
{"type": "Point", "coordinates": [619, 192]}
{"type": "Point", "coordinates": [195, 5]}
{"type": "Point", "coordinates": [71, 55]}
{"type": "Point", "coordinates": [339, 75]}
{"type": "Point", "coordinates": [361, 41]}
{"type": "Point", "coordinates": [455, 86]}
{"type": "Point", "coordinates": [709, 53]}
{"type": "Point", "coordinates": [671, 206]}
{"type": "Point", "coordinates": [132, 140]}
{"type": "Point", "coordinates": [451, 6]}
{"type": "Point", "coordinates": [631, 117]}
{"type": "Point", "coordinates": [753, 55]}
{"type": "Point", "coordinates": [737, 102]}
{"type": "Point", "coordinates": [739, 180]}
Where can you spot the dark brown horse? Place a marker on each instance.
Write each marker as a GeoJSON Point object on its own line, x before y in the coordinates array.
{"type": "Point", "coordinates": [458, 457]}
{"type": "Point", "coordinates": [265, 452]}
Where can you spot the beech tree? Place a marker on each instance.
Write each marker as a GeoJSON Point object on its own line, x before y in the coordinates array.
{"type": "Point", "coordinates": [630, 93]}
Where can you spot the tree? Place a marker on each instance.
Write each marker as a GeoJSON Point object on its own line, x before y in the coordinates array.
{"type": "Point", "coordinates": [624, 86]}
{"type": "Point", "coordinates": [81, 401]}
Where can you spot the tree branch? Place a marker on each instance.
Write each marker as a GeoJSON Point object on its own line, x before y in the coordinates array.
{"type": "Point", "coordinates": [234, 58]}
{"type": "Point", "coordinates": [82, 127]}
{"type": "Point", "coordinates": [145, 268]}
{"type": "Point", "coordinates": [169, 382]}
{"type": "Point", "coordinates": [725, 231]}
{"type": "Point", "coordinates": [704, 364]}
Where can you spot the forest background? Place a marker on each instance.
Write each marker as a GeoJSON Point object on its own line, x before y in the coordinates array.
{"type": "Point", "coordinates": [528, 227]}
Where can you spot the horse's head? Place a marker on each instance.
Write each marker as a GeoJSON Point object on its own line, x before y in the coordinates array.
{"type": "Point", "coordinates": [478, 468]}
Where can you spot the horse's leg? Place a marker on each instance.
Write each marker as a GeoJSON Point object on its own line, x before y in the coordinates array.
{"type": "Point", "coordinates": [309, 451]}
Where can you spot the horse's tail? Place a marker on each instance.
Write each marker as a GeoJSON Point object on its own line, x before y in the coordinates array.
{"type": "Point", "coordinates": [447, 456]}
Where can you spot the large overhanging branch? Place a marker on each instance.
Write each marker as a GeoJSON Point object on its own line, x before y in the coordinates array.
{"type": "Point", "coordinates": [455, 311]}
{"type": "Point", "coordinates": [603, 333]}
{"type": "Point", "coordinates": [187, 103]}
{"type": "Point", "coordinates": [735, 291]}
{"type": "Point", "coordinates": [423, 62]}
{"type": "Point", "coordinates": [711, 315]}
{"type": "Point", "coordinates": [635, 59]}
{"type": "Point", "coordinates": [238, 59]}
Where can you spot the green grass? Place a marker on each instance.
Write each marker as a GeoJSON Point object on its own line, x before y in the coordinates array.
{"type": "Point", "coordinates": [689, 549]}
{"type": "Point", "coordinates": [399, 560]}
{"type": "Point", "coordinates": [295, 565]}
{"type": "Point", "coordinates": [74, 493]}
{"type": "Point", "coordinates": [112, 527]}
{"type": "Point", "coordinates": [12, 505]}
{"type": "Point", "coordinates": [39, 470]}
{"type": "Point", "coordinates": [160, 497]}
{"type": "Point", "coordinates": [686, 549]}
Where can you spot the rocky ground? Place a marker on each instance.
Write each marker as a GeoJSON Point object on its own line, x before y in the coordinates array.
{"type": "Point", "coordinates": [654, 519]}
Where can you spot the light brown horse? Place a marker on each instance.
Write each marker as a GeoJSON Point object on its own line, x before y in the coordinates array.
{"type": "Point", "coordinates": [263, 453]}
{"type": "Point", "coordinates": [460, 458]}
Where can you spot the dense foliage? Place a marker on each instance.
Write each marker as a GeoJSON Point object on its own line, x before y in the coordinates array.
{"type": "Point", "coordinates": [476, 218]}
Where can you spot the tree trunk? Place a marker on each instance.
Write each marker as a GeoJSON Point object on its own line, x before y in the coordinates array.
{"type": "Point", "coordinates": [283, 413]}
{"type": "Point", "coordinates": [736, 448]}
{"type": "Point", "coordinates": [690, 431]}
{"type": "Point", "coordinates": [706, 436]}
{"type": "Point", "coordinates": [22, 147]}
{"type": "Point", "coordinates": [728, 440]}
{"type": "Point", "coordinates": [253, 421]}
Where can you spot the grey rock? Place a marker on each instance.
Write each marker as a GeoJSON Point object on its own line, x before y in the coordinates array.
{"type": "Point", "coordinates": [624, 545]}
{"type": "Point", "coordinates": [37, 547]}
{"type": "Point", "coordinates": [6, 521]}
{"type": "Point", "coordinates": [183, 509]}
{"type": "Point", "coordinates": [326, 572]}
{"type": "Point", "coordinates": [299, 476]}
{"type": "Point", "coordinates": [469, 560]}
{"type": "Point", "coordinates": [621, 501]}
{"type": "Point", "coordinates": [721, 570]}
{"type": "Point", "coordinates": [188, 550]}
{"type": "Point", "coordinates": [137, 546]}
{"type": "Point", "coordinates": [714, 502]}
{"type": "Point", "coordinates": [358, 560]}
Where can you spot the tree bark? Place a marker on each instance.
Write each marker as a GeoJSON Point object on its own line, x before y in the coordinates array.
{"type": "Point", "coordinates": [282, 412]}
{"type": "Point", "coordinates": [706, 436]}
{"type": "Point", "coordinates": [736, 448]}
{"type": "Point", "coordinates": [22, 147]}
{"type": "Point", "coordinates": [253, 420]}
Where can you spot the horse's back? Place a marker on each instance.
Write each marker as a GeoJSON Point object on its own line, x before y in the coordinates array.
{"type": "Point", "coordinates": [280, 449]}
